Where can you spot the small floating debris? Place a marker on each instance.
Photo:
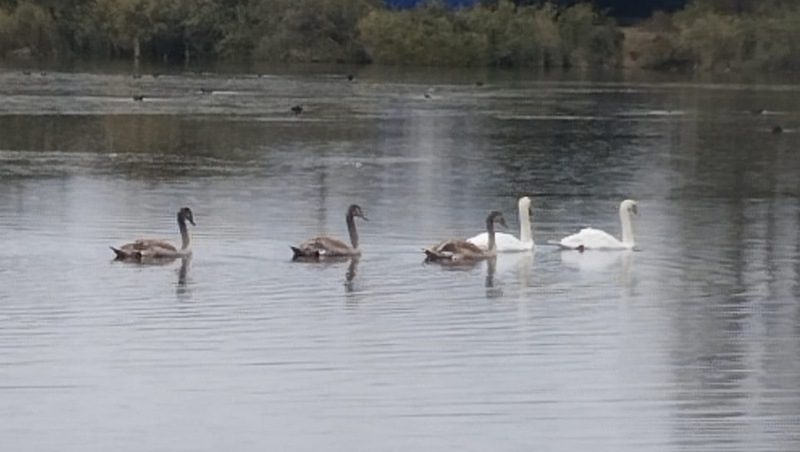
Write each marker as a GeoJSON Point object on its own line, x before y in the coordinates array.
{"type": "Point", "coordinates": [479, 83]}
{"type": "Point", "coordinates": [138, 97]}
{"type": "Point", "coordinates": [777, 129]}
{"type": "Point", "coordinates": [26, 72]}
{"type": "Point", "coordinates": [204, 90]}
{"type": "Point", "coordinates": [757, 111]}
{"type": "Point", "coordinates": [350, 77]}
{"type": "Point", "coordinates": [297, 109]}
{"type": "Point", "coordinates": [136, 75]}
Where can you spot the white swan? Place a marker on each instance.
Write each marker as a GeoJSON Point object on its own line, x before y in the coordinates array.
{"type": "Point", "coordinates": [507, 242]}
{"type": "Point", "coordinates": [595, 239]}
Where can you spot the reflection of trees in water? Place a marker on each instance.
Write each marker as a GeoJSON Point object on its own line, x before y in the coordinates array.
{"type": "Point", "coordinates": [150, 144]}
{"type": "Point", "coordinates": [726, 264]}
{"type": "Point", "coordinates": [731, 358]}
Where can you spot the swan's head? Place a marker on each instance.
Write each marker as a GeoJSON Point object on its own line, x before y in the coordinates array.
{"type": "Point", "coordinates": [355, 211]}
{"type": "Point", "coordinates": [524, 203]}
{"type": "Point", "coordinates": [496, 217]}
{"type": "Point", "coordinates": [629, 206]}
{"type": "Point", "coordinates": [185, 214]}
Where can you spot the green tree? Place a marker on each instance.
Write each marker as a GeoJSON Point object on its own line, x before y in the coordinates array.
{"type": "Point", "coordinates": [33, 27]}
{"type": "Point", "coordinates": [310, 30]}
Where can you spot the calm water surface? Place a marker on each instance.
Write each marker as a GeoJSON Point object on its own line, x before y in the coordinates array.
{"type": "Point", "coordinates": [689, 344]}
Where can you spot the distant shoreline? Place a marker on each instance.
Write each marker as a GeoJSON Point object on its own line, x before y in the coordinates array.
{"type": "Point", "coordinates": [701, 37]}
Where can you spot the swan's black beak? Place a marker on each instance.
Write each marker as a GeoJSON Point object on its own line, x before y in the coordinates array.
{"type": "Point", "coordinates": [364, 218]}
{"type": "Point", "coordinates": [191, 220]}
{"type": "Point", "coordinates": [635, 209]}
{"type": "Point", "coordinates": [502, 222]}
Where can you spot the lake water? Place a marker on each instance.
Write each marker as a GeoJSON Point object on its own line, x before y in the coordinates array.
{"type": "Point", "coordinates": [691, 343]}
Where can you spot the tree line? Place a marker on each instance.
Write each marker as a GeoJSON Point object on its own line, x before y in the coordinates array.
{"type": "Point", "coordinates": [346, 31]}
{"type": "Point", "coordinates": [708, 34]}
{"type": "Point", "coordinates": [724, 35]}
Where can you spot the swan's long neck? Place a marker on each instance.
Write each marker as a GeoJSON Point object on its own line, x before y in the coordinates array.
{"type": "Point", "coordinates": [525, 229]}
{"type": "Point", "coordinates": [627, 227]}
{"type": "Point", "coordinates": [186, 240]}
{"type": "Point", "coordinates": [351, 229]}
{"type": "Point", "coordinates": [490, 232]}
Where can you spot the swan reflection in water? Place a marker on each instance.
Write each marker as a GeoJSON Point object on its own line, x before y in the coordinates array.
{"type": "Point", "coordinates": [182, 285]}
{"type": "Point", "coordinates": [598, 264]}
{"type": "Point", "coordinates": [350, 275]}
{"type": "Point", "coordinates": [335, 261]}
{"type": "Point", "coordinates": [506, 267]}
{"type": "Point", "coordinates": [182, 288]}
{"type": "Point", "coordinates": [493, 290]}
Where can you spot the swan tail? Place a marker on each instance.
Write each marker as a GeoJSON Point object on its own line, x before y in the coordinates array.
{"type": "Point", "coordinates": [122, 255]}
{"type": "Point", "coordinates": [560, 245]}
{"type": "Point", "coordinates": [579, 248]}
{"type": "Point", "coordinates": [433, 256]}
{"type": "Point", "coordinates": [119, 254]}
{"type": "Point", "coordinates": [300, 253]}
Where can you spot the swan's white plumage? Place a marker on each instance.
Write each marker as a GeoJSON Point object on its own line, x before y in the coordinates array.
{"type": "Point", "coordinates": [590, 238]}
{"type": "Point", "coordinates": [595, 239]}
{"type": "Point", "coordinates": [507, 242]}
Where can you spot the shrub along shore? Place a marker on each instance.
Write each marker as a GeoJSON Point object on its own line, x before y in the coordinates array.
{"type": "Point", "coordinates": [706, 35]}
